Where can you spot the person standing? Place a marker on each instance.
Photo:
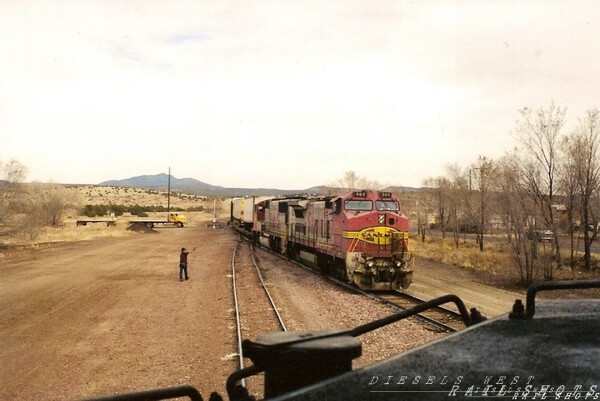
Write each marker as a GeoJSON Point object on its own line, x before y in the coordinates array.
{"type": "Point", "coordinates": [183, 263]}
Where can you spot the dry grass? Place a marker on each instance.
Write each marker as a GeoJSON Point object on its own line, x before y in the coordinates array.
{"type": "Point", "coordinates": [70, 232]}
{"type": "Point", "coordinates": [467, 255]}
{"type": "Point", "coordinates": [494, 265]}
{"type": "Point", "coordinates": [103, 195]}
{"type": "Point", "coordinates": [81, 195]}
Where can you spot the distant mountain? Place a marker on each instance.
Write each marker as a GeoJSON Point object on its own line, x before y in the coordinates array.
{"type": "Point", "coordinates": [396, 189]}
{"type": "Point", "coordinates": [160, 182]}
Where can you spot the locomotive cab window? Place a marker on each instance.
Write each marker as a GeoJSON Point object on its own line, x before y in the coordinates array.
{"type": "Point", "coordinates": [387, 206]}
{"type": "Point", "coordinates": [359, 205]}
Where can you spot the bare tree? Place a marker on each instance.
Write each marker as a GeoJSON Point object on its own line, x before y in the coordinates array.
{"type": "Point", "coordinates": [583, 148]}
{"type": "Point", "coordinates": [441, 188]}
{"type": "Point", "coordinates": [483, 175]}
{"type": "Point", "coordinates": [350, 180]}
{"type": "Point", "coordinates": [459, 201]}
{"type": "Point", "coordinates": [364, 183]}
{"type": "Point", "coordinates": [517, 206]}
{"type": "Point", "coordinates": [11, 200]}
{"type": "Point", "coordinates": [570, 188]}
{"type": "Point", "coordinates": [49, 204]}
{"type": "Point", "coordinates": [539, 133]}
{"type": "Point", "coordinates": [472, 187]}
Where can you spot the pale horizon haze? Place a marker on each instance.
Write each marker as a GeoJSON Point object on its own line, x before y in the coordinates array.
{"type": "Point", "coordinates": [283, 94]}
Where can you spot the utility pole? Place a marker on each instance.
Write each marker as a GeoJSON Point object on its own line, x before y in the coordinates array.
{"type": "Point", "coordinates": [169, 193]}
{"type": "Point", "coordinates": [481, 224]}
{"type": "Point", "coordinates": [481, 170]}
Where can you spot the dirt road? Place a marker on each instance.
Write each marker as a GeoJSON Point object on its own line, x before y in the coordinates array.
{"type": "Point", "coordinates": [432, 279]}
{"type": "Point", "coordinates": [106, 316]}
{"type": "Point", "coordinates": [82, 318]}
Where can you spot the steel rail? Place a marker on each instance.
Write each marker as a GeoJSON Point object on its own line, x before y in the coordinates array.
{"type": "Point", "coordinates": [237, 312]}
{"type": "Point", "coordinates": [268, 294]}
{"type": "Point", "coordinates": [419, 316]}
{"type": "Point", "coordinates": [422, 318]}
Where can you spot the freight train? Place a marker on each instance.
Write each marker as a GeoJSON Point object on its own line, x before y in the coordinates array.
{"type": "Point", "coordinates": [360, 237]}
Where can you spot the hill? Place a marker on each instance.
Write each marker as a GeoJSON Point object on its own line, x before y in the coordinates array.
{"type": "Point", "coordinates": [160, 182]}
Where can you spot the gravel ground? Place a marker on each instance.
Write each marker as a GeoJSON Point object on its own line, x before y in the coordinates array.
{"type": "Point", "coordinates": [310, 302]}
{"type": "Point", "coordinates": [101, 317]}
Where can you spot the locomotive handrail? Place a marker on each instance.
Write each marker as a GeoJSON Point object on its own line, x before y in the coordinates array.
{"type": "Point", "coordinates": [270, 350]}
{"type": "Point", "coordinates": [154, 395]}
{"type": "Point", "coordinates": [365, 328]}
{"type": "Point", "coordinates": [527, 311]}
{"type": "Point", "coordinates": [236, 391]}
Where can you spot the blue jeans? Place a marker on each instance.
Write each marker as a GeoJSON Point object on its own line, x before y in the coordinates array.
{"type": "Point", "coordinates": [182, 271]}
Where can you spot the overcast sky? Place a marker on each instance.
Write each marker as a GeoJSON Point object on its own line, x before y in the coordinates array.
{"type": "Point", "coordinates": [285, 94]}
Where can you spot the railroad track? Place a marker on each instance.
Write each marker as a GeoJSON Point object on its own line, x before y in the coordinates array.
{"type": "Point", "coordinates": [438, 318]}
{"type": "Point", "coordinates": [248, 303]}
{"type": "Point", "coordinates": [267, 293]}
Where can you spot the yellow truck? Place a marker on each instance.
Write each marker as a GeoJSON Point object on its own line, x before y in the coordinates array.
{"type": "Point", "coordinates": [172, 218]}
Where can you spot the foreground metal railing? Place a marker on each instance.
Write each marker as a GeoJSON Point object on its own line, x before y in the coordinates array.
{"type": "Point", "coordinates": [155, 395]}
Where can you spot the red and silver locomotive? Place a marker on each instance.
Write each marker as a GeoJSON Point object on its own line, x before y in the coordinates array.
{"type": "Point", "coordinates": [361, 237]}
